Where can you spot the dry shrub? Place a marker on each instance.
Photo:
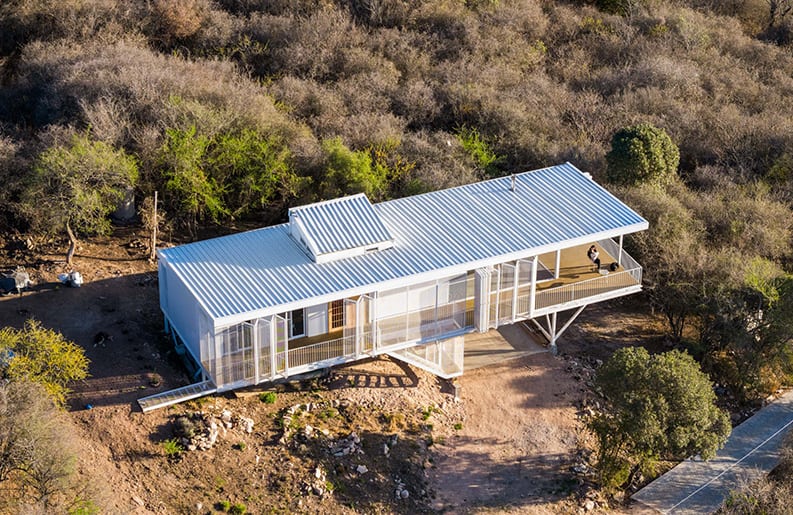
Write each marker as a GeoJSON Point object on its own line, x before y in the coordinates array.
{"type": "Point", "coordinates": [364, 129]}
{"type": "Point", "coordinates": [411, 53]}
{"type": "Point", "coordinates": [745, 219]}
{"type": "Point", "coordinates": [22, 21]}
{"type": "Point", "coordinates": [415, 101]}
{"type": "Point", "coordinates": [440, 162]}
{"type": "Point", "coordinates": [380, 13]}
{"type": "Point", "coordinates": [315, 47]}
{"type": "Point", "coordinates": [131, 75]}
{"type": "Point", "coordinates": [770, 494]}
{"type": "Point", "coordinates": [41, 472]}
{"type": "Point", "coordinates": [320, 106]}
{"type": "Point", "coordinates": [524, 17]}
{"type": "Point", "coordinates": [179, 19]}
{"type": "Point", "coordinates": [452, 26]}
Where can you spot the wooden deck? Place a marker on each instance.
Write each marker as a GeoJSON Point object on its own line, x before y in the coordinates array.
{"type": "Point", "coordinates": [574, 266]}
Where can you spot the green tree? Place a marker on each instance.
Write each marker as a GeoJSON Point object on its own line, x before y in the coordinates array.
{"type": "Point", "coordinates": [659, 406]}
{"type": "Point", "coordinates": [75, 187]}
{"type": "Point", "coordinates": [348, 171]}
{"type": "Point", "coordinates": [252, 170]}
{"type": "Point", "coordinates": [479, 150]}
{"type": "Point", "coordinates": [642, 154]}
{"type": "Point", "coordinates": [679, 267]}
{"type": "Point", "coordinates": [43, 356]}
{"type": "Point", "coordinates": [183, 157]}
{"type": "Point", "coordinates": [747, 331]}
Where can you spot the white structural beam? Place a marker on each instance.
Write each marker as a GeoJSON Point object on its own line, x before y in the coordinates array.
{"type": "Point", "coordinates": [551, 333]}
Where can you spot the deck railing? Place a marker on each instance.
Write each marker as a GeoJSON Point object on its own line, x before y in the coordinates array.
{"type": "Point", "coordinates": [323, 351]}
{"type": "Point", "coordinates": [588, 288]}
{"type": "Point", "coordinates": [623, 258]}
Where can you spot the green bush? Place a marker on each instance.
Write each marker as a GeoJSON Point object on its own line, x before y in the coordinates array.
{"type": "Point", "coordinates": [224, 506]}
{"type": "Point", "coordinates": [655, 407]}
{"type": "Point", "coordinates": [75, 187]}
{"type": "Point", "coordinates": [479, 150]}
{"type": "Point", "coordinates": [268, 397]}
{"type": "Point", "coordinates": [238, 509]}
{"type": "Point", "coordinates": [642, 154]}
{"type": "Point", "coordinates": [348, 172]}
{"type": "Point", "coordinates": [45, 357]}
{"type": "Point", "coordinates": [172, 448]}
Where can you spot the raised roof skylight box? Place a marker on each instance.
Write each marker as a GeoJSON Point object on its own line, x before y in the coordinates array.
{"type": "Point", "coordinates": [339, 228]}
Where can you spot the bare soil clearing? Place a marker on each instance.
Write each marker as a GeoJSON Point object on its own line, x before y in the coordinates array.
{"type": "Point", "coordinates": [508, 445]}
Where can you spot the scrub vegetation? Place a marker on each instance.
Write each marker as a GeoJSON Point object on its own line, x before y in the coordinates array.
{"type": "Point", "coordinates": [235, 110]}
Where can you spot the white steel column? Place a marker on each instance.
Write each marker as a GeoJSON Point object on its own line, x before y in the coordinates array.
{"type": "Point", "coordinates": [558, 264]}
{"type": "Point", "coordinates": [373, 322]}
{"type": "Point", "coordinates": [515, 282]}
{"type": "Point", "coordinates": [255, 343]}
{"type": "Point", "coordinates": [497, 316]}
{"type": "Point", "coordinates": [481, 299]}
{"type": "Point", "coordinates": [533, 291]}
{"type": "Point", "coordinates": [273, 344]}
{"type": "Point", "coordinates": [552, 334]}
{"type": "Point", "coordinates": [358, 326]}
{"type": "Point", "coordinates": [619, 258]}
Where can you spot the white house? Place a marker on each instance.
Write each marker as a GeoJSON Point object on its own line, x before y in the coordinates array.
{"type": "Point", "coordinates": [345, 279]}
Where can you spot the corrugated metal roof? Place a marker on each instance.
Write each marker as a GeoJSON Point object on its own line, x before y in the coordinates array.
{"type": "Point", "coordinates": [264, 270]}
{"type": "Point", "coordinates": [342, 224]}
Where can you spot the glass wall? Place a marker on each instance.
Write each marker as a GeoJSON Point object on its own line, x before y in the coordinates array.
{"type": "Point", "coordinates": [425, 311]}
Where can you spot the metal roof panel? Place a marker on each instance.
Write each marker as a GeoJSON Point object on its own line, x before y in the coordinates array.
{"type": "Point", "coordinates": [477, 223]}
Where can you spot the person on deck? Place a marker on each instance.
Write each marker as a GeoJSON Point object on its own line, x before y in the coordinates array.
{"type": "Point", "coordinates": [593, 256]}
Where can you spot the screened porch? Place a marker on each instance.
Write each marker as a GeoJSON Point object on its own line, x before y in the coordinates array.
{"type": "Point", "coordinates": [565, 280]}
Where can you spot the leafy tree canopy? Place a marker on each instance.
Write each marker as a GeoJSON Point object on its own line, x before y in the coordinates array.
{"type": "Point", "coordinates": [349, 171]}
{"type": "Point", "coordinates": [43, 356]}
{"type": "Point", "coordinates": [642, 154]}
{"type": "Point", "coordinates": [659, 406]}
{"type": "Point", "coordinates": [75, 187]}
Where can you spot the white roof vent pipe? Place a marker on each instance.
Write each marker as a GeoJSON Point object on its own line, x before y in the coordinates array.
{"type": "Point", "coordinates": [513, 182]}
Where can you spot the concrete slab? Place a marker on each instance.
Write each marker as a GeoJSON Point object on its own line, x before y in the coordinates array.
{"type": "Point", "coordinates": [495, 346]}
{"type": "Point", "coordinates": [700, 487]}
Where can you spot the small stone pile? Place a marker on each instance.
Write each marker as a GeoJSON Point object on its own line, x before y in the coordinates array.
{"type": "Point", "coordinates": [200, 431]}
{"type": "Point", "coordinates": [583, 369]}
{"type": "Point", "coordinates": [348, 446]}
{"type": "Point", "coordinates": [294, 411]}
{"type": "Point", "coordinates": [401, 492]}
{"type": "Point", "coordinates": [591, 501]}
{"type": "Point", "coordinates": [390, 444]}
{"type": "Point", "coordinates": [317, 485]}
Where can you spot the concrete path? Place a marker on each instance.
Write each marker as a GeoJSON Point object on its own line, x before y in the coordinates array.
{"type": "Point", "coordinates": [701, 486]}
{"type": "Point", "coordinates": [495, 346]}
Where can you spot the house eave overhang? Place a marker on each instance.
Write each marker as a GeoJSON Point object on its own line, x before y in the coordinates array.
{"type": "Point", "coordinates": [424, 277]}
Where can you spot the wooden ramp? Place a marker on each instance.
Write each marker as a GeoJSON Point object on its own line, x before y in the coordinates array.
{"type": "Point", "coordinates": [170, 397]}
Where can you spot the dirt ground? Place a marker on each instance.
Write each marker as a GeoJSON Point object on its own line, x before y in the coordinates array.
{"type": "Point", "coordinates": [509, 444]}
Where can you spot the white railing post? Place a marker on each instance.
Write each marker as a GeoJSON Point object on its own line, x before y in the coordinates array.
{"type": "Point", "coordinates": [619, 257]}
